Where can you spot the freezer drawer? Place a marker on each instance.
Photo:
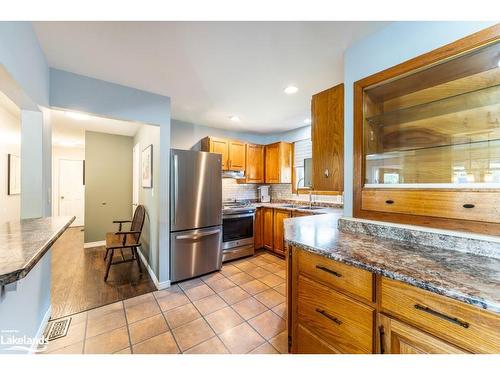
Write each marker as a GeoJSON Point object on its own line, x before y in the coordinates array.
{"type": "Point", "coordinates": [195, 252]}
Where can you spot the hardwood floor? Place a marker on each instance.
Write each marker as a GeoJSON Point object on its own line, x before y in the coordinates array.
{"type": "Point", "coordinates": [78, 277]}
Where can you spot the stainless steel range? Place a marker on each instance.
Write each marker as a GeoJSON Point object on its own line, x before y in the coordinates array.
{"type": "Point", "coordinates": [237, 230]}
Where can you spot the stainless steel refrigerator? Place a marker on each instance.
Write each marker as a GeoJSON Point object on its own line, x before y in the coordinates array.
{"type": "Point", "coordinates": [195, 213]}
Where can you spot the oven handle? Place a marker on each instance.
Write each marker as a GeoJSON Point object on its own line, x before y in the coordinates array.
{"type": "Point", "coordinates": [236, 216]}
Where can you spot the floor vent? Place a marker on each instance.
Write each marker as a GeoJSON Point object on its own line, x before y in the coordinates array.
{"type": "Point", "coordinates": [58, 328]}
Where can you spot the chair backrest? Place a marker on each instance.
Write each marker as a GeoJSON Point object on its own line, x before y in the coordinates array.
{"type": "Point", "coordinates": [138, 221]}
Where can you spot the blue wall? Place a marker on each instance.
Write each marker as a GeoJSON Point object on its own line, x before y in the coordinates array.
{"type": "Point", "coordinates": [397, 42]}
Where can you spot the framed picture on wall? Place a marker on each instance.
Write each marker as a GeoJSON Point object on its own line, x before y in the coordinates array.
{"type": "Point", "coordinates": [13, 174]}
{"type": "Point", "coordinates": [147, 167]}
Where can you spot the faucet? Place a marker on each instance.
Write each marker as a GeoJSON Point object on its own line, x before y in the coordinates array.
{"type": "Point", "coordinates": [310, 199]}
{"type": "Point", "coordinates": [297, 186]}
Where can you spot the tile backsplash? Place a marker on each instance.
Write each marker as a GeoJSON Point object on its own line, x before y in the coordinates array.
{"type": "Point", "coordinates": [231, 191]}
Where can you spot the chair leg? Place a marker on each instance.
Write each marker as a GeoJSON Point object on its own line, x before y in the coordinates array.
{"type": "Point", "coordinates": [110, 259]}
{"type": "Point", "coordinates": [105, 256]}
{"type": "Point", "coordinates": [137, 259]}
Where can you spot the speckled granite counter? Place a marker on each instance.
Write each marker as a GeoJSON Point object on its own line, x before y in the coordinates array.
{"type": "Point", "coordinates": [470, 278]}
{"type": "Point", "coordinates": [317, 211]}
{"type": "Point", "coordinates": [24, 242]}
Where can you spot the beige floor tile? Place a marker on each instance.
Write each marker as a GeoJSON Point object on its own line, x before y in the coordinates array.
{"type": "Point", "coordinates": [188, 284]}
{"type": "Point", "coordinates": [144, 298]}
{"type": "Point", "coordinates": [229, 269]}
{"type": "Point", "coordinates": [259, 260]}
{"type": "Point", "coordinates": [161, 344]}
{"type": "Point", "coordinates": [272, 267]}
{"type": "Point", "coordinates": [142, 310]}
{"type": "Point", "coordinates": [212, 277]}
{"type": "Point", "coordinates": [246, 266]}
{"type": "Point", "coordinates": [240, 278]}
{"type": "Point", "coordinates": [173, 289]}
{"type": "Point", "coordinates": [281, 274]}
{"type": "Point", "coordinates": [265, 348]}
{"type": "Point", "coordinates": [233, 295]}
{"type": "Point", "coordinates": [79, 318]}
{"type": "Point", "coordinates": [272, 280]}
{"type": "Point", "coordinates": [108, 343]}
{"type": "Point", "coordinates": [268, 324]}
{"type": "Point", "coordinates": [257, 272]}
{"type": "Point", "coordinates": [76, 333]}
{"type": "Point", "coordinates": [172, 301]}
{"type": "Point", "coordinates": [248, 308]}
{"type": "Point", "coordinates": [147, 328]}
{"type": "Point", "coordinates": [76, 348]}
{"type": "Point", "coordinates": [192, 334]}
{"type": "Point", "coordinates": [241, 339]}
{"type": "Point", "coordinates": [280, 342]}
{"type": "Point", "coordinates": [104, 323]}
{"type": "Point", "coordinates": [210, 304]}
{"type": "Point", "coordinates": [199, 292]}
{"type": "Point", "coordinates": [254, 287]}
{"type": "Point", "coordinates": [107, 309]}
{"type": "Point", "coordinates": [270, 298]}
{"type": "Point", "coordinates": [124, 351]}
{"type": "Point", "coordinates": [280, 310]}
{"type": "Point", "coordinates": [211, 346]}
{"type": "Point", "coordinates": [181, 315]}
{"type": "Point", "coordinates": [271, 258]}
{"type": "Point", "coordinates": [223, 319]}
{"type": "Point", "coordinates": [281, 289]}
{"type": "Point", "coordinates": [220, 284]}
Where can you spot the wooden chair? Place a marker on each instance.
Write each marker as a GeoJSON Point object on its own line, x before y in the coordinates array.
{"type": "Point", "coordinates": [125, 240]}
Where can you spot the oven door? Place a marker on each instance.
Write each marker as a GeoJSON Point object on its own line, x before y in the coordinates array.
{"type": "Point", "coordinates": [237, 230]}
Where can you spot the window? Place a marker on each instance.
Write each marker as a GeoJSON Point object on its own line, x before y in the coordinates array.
{"type": "Point", "coordinates": [301, 150]}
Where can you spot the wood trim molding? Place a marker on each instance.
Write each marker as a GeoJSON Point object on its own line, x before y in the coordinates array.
{"type": "Point", "coordinates": [478, 39]}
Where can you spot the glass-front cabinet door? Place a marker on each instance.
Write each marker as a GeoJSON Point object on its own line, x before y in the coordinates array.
{"type": "Point", "coordinates": [436, 127]}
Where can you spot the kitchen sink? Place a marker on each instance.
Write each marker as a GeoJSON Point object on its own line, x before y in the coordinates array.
{"type": "Point", "coordinates": [308, 208]}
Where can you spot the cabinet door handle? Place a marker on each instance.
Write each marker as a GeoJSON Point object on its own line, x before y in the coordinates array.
{"type": "Point", "coordinates": [381, 336]}
{"type": "Point", "coordinates": [389, 201]}
{"type": "Point", "coordinates": [468, 205]}
{"type": "Point", "coordinates": [442, 316]}
{"type": "Point", "coordinates": [328, 271]}
{"type": "Point", "coordinates": [328, 316]}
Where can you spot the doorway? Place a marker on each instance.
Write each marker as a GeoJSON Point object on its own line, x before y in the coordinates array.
{"type": "Point", "coordinates": [72, 190]}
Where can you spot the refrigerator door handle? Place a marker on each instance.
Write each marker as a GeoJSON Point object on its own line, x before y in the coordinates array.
{"type": "Point", "coordinates": [176, 187]}
{"type": "Point", "coordinates": [197, 236]}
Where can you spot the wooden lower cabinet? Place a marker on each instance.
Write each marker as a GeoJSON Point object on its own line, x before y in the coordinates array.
{"type": "Point", "coordinates": [267, 228]}
{"type": "Point", "coordinates": [279, 230]}
{"type": "Point", "coordinates": [258, 230]}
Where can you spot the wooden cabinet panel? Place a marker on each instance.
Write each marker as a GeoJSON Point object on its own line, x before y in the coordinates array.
{"type": "Point", "coordinates": [299, 214]}
{"type": "Point", "coordinates": [279, 230]}
{"type": "Point", "coordinates": [458, 323]}
{"type": "Point", "coordinates": [258, 235]}
{"type": "Point", "coordinates": [267, 220]}
{"type": "Point", "coordinates": [219, 146]}
{"type": "Point", "coordinates": [254, 171]}
{"type": "Point", "coordinates": [237, 155]}
{"type": "Point", "coordinates": [278, 165]}
{"type": "Point", "coordinates": [327, 136]}
{"type": "Point", "coordinates": [347, 278]}
{"type": "Point", "coordinates": [399, 338]}
{"type": "Point", "coordinates": [339, 320]}
{"type": "Point", "coordinates": [465, 205]}
{"type": "Point", "coordinates": [309, 343]}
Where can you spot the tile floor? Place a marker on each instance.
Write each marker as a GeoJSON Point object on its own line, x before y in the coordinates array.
{"type": "Point", "coordinates": [241, 309]}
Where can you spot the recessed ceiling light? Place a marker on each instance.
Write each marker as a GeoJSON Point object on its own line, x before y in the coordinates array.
{"type": "Point", "coordinates": [77, 115]}
{"type": "Point", "coordinates": [234, 118]}
{"type": "Point", "coordinates": [291, 90]}
{"type": "Point", "coordinates": [307, 121]}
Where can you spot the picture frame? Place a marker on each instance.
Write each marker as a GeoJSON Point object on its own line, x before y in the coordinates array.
{"type": "Point", "coordinates": [13, 174]}
{"type": "Point", "coordinates": [147, 167]}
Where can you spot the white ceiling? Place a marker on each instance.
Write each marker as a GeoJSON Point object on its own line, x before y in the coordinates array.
{"type": "Point", "coordinates": [211, 70]}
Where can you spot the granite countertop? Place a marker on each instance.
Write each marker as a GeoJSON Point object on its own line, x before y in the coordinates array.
{"type": "Point", "coordinates": [286, 206]}
{"type": "Point", "coordinates": [470, 278]}
{"type": "Point", "coordinates": [23, 243]}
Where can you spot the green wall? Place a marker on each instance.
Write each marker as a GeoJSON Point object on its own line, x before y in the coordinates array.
{"type": "Point", "coordinates": [108, 183]}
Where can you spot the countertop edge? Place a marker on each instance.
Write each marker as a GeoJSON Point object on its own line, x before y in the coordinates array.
{"type": "Point", "coordinates": [31, 263]}
{"type": "Point", "coordinates": [421, 284]}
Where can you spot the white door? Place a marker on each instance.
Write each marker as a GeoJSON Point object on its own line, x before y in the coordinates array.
{"type": "Point", "coordinates": [72, 190]}
{"type": "Point", "coordinates": [136, 153]}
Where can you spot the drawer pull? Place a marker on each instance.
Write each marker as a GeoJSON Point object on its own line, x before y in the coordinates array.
{"type": "Point", "coordinates": [328, 271]}
{"type": "Point", "coordinates": [389, 201]}
{"type": "Point", "coordinates": [442, 316]}
{"type": "Point", "coordinates": [468, 205]}
{"type": "Point", "coordinates": [326, 315]}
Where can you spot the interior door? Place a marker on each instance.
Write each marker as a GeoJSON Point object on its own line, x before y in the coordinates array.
{"type": "Point", "coordinates": [136, 155]}
{"type": "Point", "coordinates": [72, 190]}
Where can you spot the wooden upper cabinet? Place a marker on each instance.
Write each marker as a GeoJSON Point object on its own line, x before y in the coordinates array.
{"type": "Point", "coordinates": [237, 155]}
{"type": "Point", "coordinates": [254, 170]}
{"type": "Point", "coordinates": [327, 136]}
{"type": "Point", "coordinates": [278, 158]}
{"type": "Point", "coordinates": [267, 227]}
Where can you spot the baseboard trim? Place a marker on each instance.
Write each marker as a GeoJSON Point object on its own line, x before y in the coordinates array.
{"type": "Point", "coordinates": [41, 330]}
{"type": "Point", "coordinates": [88, 245]}
{"type": "Point", "coordinates": [159, 286]}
